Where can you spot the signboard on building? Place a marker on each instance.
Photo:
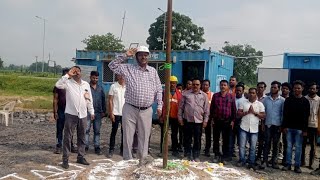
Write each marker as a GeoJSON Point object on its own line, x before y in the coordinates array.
{"type": "Point", "coordinates": [85, 72]}
{"type": "Point", "coordinates": [219, 78]}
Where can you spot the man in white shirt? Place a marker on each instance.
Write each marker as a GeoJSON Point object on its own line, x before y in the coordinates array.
{"type": "Point", "coordinates": [251, 111]}
{"type": "Point", "coordinates": [314, 117]}
{"type": "Point", "coordinates": [116, 101]}
{"type": "Point", "coordinates": [78, 103]}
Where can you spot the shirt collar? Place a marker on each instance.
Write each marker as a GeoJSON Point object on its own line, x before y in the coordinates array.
{"type": "Point", "coordinates": [315, 98]}
{"type": "Point", "coordinates": [148, 68]}
{"type": "Point", "coordinates": [278, 97]}
{"type": "Point", "coordinates": [81, 81]}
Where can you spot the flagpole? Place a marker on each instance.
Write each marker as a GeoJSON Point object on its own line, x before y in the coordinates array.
{"type": "Point", "coordinates": [167, 83]}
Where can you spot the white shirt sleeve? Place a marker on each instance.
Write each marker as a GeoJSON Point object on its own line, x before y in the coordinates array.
{"type": "Point", "coordinates": [111, 93]}
{"type": "Point", "coordinates": [62, 82]}
{"type": "Point", "coordinates": [261, 108]}
{"type": "Point", "coordinates": [90, 103]}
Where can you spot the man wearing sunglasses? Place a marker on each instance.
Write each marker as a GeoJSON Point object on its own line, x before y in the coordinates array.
{"type": "Point", "coordinates": [194, 111]}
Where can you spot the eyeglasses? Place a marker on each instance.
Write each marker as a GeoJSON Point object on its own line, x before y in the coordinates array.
{"type": "Point", "coordinates": [195, 84]}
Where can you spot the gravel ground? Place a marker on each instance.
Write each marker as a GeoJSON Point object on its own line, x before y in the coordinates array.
{"type": "Point", "coordinates": [29, 144]}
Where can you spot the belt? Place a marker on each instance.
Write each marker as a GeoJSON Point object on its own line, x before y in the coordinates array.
{"type": "Point", "coordinates": [140, 108]}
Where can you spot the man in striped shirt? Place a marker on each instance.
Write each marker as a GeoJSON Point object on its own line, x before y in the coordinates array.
{"type": "Point", "coordinates": [142, 89]}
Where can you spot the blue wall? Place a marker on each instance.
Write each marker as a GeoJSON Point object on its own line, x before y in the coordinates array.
{"type": "Point", "coordinates": [301, 61]}
{"type": "Point", "coordinates": [217, 66]}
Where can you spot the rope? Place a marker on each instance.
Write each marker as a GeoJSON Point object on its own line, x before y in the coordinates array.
{"type": "Point", "coordinates": [165, 66]}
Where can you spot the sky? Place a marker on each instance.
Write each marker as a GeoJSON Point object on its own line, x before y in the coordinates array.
{"type": "Point", "coordinates": [272, 26]}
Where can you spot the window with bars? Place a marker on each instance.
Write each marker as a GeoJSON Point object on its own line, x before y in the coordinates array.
{"type": "Point", "coordinates": [109, 76]}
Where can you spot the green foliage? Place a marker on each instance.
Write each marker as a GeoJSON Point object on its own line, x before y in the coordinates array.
{"type": "Point", "coordinates": [244, 69]}
{"type": "Point", "coordinates": [185, 34]}
{"type": "Point", "coordinates": [106, 42]}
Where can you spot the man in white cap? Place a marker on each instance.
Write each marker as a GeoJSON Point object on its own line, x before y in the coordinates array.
{"type": "Point", "coordinates": [143, 87]}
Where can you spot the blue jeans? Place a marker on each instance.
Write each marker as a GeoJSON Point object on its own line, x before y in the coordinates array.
{"type": "Point", "coordinates": [245, 136]}
{"type": "Point", "coordinates": [96, 130]}
{"type": "Point", "coordinates": [294, 137]}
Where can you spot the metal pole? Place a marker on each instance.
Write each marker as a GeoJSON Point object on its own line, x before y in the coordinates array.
{"type": "Point", "coordinates": [124, 17]}
{"type": "Point", "coordinates": [164, 28]}
{"type": "Point", "coordinates": [36, 63]}
{"type": "Point", "coordinates": [43, 39]}
{"type": "Point", "coordinates": [44, 35]}
{"type": "Point", "coordinates": [167, 84]}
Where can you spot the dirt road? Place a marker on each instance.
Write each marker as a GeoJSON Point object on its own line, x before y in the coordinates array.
{"type": "Point", "coordinates": [26, 148]}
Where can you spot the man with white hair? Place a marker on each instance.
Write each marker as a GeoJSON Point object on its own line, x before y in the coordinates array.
{"type": "Point", "coordinates": [143, 87]}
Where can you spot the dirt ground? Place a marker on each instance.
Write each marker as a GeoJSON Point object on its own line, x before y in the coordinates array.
{"type": "Point", "coordinates": [26, 146]}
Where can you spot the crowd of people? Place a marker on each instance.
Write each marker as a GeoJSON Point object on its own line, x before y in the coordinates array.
{"type": "Point", "coordinates": [273, 124]}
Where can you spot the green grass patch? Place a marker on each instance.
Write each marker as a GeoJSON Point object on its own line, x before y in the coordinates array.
{"type": "Point", "coordinates": [26, 85]}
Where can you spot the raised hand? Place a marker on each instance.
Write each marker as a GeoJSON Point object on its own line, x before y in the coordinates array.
{"type": "Point", "coordinates": [131, 52]}
{"type": "Point", "coordinates": [73, 71]}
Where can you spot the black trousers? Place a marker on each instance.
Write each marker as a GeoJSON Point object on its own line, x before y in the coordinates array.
{"type": "Point", "coordinates": [312, 136]}
{"type": "Point", "coordinates": [174, 123]}
{"type": "Point", "coordinates": [193, 132]}
{"type": "Point", "coordinates": [115, 125]}
{"type": "Point", "coordinates": [261, 139]}
{"type": "Point", "coordinates": [272, 135]}
{"type": "Point", "coordinates": [223, 127]}
{"type": "Point", "coordinates": [208, 132]}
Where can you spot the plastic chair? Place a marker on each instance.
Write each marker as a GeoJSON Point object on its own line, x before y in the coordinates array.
{"type": "Point", "coordinates": [7, 110]}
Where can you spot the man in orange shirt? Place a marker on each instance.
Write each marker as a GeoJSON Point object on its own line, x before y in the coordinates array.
{"type": "Point", "coordinates": [208, 129]}
{"type": "Point", "coordinates": [232, 85]}
{"type": "Point", "coordinates": [174, 98]}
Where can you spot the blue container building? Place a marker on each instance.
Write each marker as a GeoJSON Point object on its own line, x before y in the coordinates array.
{"type": "Point", "coordinates": [186, 65]}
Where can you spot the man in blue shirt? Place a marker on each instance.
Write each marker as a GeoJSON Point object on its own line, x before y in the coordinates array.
{"type": "Point", "coordinates": [274, 108]}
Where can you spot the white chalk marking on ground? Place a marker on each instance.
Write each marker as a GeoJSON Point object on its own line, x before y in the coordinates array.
{"type": "Point", "coordinates": [14, 175]}
{"type": "Point", "coordinates": [108, 169]}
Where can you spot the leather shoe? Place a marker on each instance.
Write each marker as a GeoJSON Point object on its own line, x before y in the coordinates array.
{"type": "Point", "coordinates": [82, 161]}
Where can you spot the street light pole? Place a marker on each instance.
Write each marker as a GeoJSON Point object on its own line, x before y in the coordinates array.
{"type": "Point", "coordinates": [43, 40]}
{"type": "Point", "coordinates": [36, 63]}
{"type": "Point", "coordinates": [164, 27]}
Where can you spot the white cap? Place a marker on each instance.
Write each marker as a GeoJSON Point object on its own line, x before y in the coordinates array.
{"type": "Point", "coordinates": [143, 49]}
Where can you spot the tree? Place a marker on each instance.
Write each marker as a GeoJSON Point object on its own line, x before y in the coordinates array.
{"type": "Point", "coordinates": [106, 42]}
{"type": "Point", "coordinates": [185, 34]}
{"type": "Point", "coordinates": [1, 63]}
{"type": "Point", "coordinates": [244, 68]}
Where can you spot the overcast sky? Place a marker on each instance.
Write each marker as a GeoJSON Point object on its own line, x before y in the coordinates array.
{"type": "Point", "coordinates": [272, 26]}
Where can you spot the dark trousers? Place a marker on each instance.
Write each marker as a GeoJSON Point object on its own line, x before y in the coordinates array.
{"type": "Point", "coordinates": [194, 132]}
{"type": "Point", "coordinates": [115, 125]}
{"type": "Point", "coordinates": [312, 136]}
{"type": "Point", "coordinates": [72, 122]}
{"type": "Point", "coordinates": [234, 136]}
{"type": "Point", "coordinates": [180, 136]}
{"type": "Point", "coordinates": [223, 127]}
{"type": "Point", "coordinates": [260, 142]}
{"type": "Point", "coordinates": [60, 127]}
{"type": "Point", "coordinates": [174, 123]}
{"type": "Point", "coordinates": [208, 131]}
{"type": "Point", "coordinates": [284, 147]}
{"type": "Point", "coordinates": [272, 135]}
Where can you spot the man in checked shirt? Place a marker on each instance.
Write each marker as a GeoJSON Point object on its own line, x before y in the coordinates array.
{"type": "Point", "coordinates": [143, 88]}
